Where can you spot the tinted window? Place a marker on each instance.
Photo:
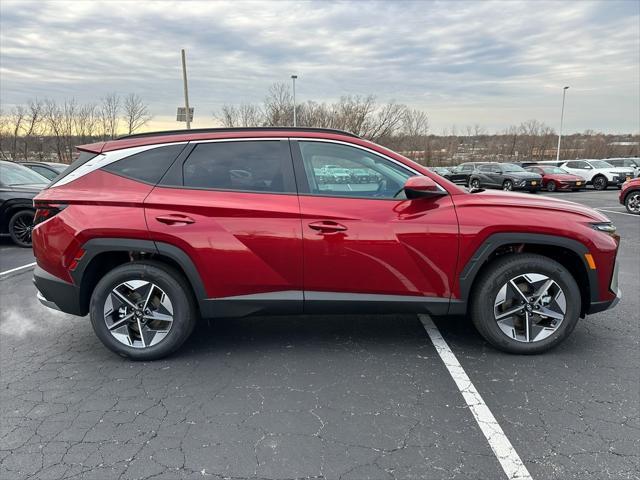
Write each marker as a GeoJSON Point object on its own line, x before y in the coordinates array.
{"type": "Point", "coordinates": [256, 166]}
{"type": "Point", "coordinates": [45, 172]}
{"type": "Point", "coordinates": [485, 168]}
{"type": "Point", "coordinates": [576, 164]}
{"type": "Point", "coordinates": [341, 170]}
{"type": "Point", "coordinates": [148, 166]}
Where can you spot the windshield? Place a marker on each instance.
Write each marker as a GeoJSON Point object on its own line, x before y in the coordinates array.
{"type": "Point", "coordinates": [553, 170]}
{"type": "Point", "coordinates": [12, 174]}
{"type": "Point", "coordinates": [600, 164]}
{"type": "Point", "coordinates": [510, 167]}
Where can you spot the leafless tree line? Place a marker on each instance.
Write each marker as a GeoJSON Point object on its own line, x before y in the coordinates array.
{"type": "Point", "coordinates": [50, 130]}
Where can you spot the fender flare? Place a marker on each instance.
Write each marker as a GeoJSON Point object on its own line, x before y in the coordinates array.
{"type": "Point", "coordinates": [96, 246]}
{"type": "Point", "coordinates": [472, 268]}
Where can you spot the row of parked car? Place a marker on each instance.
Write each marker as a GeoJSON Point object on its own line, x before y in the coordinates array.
{"type": "Point", "coordinates": [548, 175]}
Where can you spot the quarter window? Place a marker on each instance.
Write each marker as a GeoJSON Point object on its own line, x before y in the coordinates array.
{"type": "Point", "coordinates": [340, 170]}
{"type": "Point", "coordinates": [148, 166]}
{"type": "Point", "coordinates": [255, 166]}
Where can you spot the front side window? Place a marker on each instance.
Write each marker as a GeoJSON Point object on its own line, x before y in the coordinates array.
{"type": "Point", "coordinates": [600, 164]}
{"type": "Point", "coordinates": [253, 166]}
{"type": "Point", "coordinates": [340, 170]}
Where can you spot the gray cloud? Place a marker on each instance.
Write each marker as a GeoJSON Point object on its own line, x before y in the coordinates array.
{"type": "Point", "coordinates": [493, 63]}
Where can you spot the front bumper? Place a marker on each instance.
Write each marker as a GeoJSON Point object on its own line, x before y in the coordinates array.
{"type": "Point", "coordinates": [601, 306]}
{"type": "Point", "coordinates": [57, 294]}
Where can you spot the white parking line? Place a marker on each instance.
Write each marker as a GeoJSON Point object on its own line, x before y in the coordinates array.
{"type": "Point", "coordinates": [613, 211]}
{"type": "Point", "coordinates": [498, 441]}
{"type": "Point", "coordinates": [17, 269]}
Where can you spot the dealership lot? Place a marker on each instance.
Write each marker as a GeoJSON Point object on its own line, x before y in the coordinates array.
{"type": "Point", "coordinates": [316, 397]}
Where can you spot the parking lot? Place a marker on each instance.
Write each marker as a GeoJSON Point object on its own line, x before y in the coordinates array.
{"type": "Point", "coordinates": [348, 397]}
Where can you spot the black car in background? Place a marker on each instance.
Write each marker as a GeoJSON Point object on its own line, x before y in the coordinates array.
{"type": "Point", "coordinates": [506, 176]}
{"type": "Point", "coordinates": [49, 170]}
{"type": "Point", "coordinates": [461, 173]}
{"type": "Point", "coordinates": [18, 186]}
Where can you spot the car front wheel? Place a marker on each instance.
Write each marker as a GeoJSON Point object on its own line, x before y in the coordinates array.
{"type": "Point", "coordinates": [475, 183]}
{"type": "Point", "coordinates": [551, 186]}
{"type": "Point", "coordinates": [632, 202]}
{"type": "Point", "coordinates": [600, 182]}
{"type": "Point", "coordinates": [20, 227]}
{"type": "Point", "coordinates": [507, 185]}
{"type": "Point", "coordinates": [525, 303]}
{"type": "Point", "coordinates": [142, 310]}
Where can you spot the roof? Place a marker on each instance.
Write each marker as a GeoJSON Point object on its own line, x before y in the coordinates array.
{"type": "Point", "coordinates": [174, 136]}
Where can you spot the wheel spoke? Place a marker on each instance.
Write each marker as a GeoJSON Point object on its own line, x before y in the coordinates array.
{"type": "Point", "coordinates": [527, 326]}
{"type": "Point", "coordinates": [547, 312]}
{"type": "Point", "coordinates": [122, 298]}
{"type": "Point", "coordinates": [510, 312]}
{"type": "Point", "coordinates": [543, 290]}
{"type": "Point", "coordinates": [120, 322]}
{"type": "Point", "coordinates": [518, 291]}
{"type": "Point", "coordinates": [163, 317]}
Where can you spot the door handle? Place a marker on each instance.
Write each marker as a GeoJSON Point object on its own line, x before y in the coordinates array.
{"type": "Point", "coordinates": [175, 219]}
{"type": "Point", "coordinates": [327, 226]}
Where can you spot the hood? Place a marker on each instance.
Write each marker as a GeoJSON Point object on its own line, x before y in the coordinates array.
{"type": "Point", "coordinates": [531, 175]}
{"type": "Point", "coordinates": [526, 200]}
{"type": "Point", "coordinates": [28, 188]}
{"type": "Point", "coordinates": [567, 177]}
{"type": "Point", "coordinates": [621, 170]}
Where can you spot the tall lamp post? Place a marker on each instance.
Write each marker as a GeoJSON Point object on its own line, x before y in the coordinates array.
{"type": "Point", "coordinates": [564, 93]}
{"type": "Point", "coordinates": [186, 90]}
{"type": "Point", "coordinates": [293, 79]}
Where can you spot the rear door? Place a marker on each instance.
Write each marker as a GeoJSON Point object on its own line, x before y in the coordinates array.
{"type": "Point", "coordinates": [580, 168]}
{"type": "Point", "coordinates": [365, 244]}
{"type": "Point", "coordinates": [232, 207]}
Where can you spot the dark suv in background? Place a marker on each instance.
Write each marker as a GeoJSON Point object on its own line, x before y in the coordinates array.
{"type": "Point", "coordinates": [18, 186]}
{"type": "Point", "coordinates": [506, 176]}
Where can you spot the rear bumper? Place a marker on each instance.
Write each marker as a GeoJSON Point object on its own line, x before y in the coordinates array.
{"type": "Point", "coordinates": [56, 293]}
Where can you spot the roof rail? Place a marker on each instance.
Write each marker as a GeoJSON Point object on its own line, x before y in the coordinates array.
{"type": "Point", "coordinates": [237, 129]}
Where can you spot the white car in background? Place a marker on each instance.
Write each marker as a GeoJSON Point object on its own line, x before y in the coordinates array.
{"type": "Point", "coordinates": [633, 163]}
{"type": "Point", "coordinates": [599, 173]}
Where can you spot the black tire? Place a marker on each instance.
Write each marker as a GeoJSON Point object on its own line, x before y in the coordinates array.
{"type": "Point", "coordinates": [496, 275]}
{"type": "Point", "coordinates": [507, 185]}
{"type": "Point", "coordinates": [174, 286]}
{"type": "Point", "coordinates": [20, 227]}
{"type": "Point", "coordinates": [632, 202]}
{"type": "Point", "coordinates": [475, 183]}
{"type": "Point", "coordinates": [600, 182]}
{"type": "Point", "coordinates": [551, 186]}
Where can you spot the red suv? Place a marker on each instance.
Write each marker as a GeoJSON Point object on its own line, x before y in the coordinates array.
{"type": "Point", "coordinates": [149, 232]}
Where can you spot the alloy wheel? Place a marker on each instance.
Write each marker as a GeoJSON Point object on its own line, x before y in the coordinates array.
{"type": "Point", "coordinates": [633, 202]}
{"type": "Point", "coordinates": [138, 313]}
{"type": "Point", "coordinates": [475, 183]}
{"type": "Point", "coordinates": [530, 307]}
{"type": "Point", "coordinates": [551, 186]}
{"type": "Point", "coordinates": [507, 185]}
{"type": "Point", "coordinates": [600, 183]}
{"type": "Point", "coordinates": [22, 227]}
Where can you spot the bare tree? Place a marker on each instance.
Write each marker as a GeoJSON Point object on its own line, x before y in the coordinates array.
{"type": "Point", "coordinates": [136, 113]}
{"type": "Point", "coordinates": [86, 121]}
{"type": "Point", "coordinates": [110, 115]}
{"type": "Point", "coordinates": [245, 115]}
{"type": "Point", "coordinates": [278, 106]}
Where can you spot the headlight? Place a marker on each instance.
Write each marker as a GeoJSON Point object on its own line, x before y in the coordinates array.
{"type": "Point", "coordinates": [608, 228]}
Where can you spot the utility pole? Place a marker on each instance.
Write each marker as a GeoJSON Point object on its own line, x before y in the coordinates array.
{"type": "Point", "coordinates": [293, 78]}
{"type": "Point", "coordinates": [186, 90]}
{"type": "Point", "coordinates": [564, 93]}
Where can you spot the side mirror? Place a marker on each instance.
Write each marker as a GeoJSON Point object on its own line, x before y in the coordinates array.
{"type": "Point", "coordinates": [422, 186]}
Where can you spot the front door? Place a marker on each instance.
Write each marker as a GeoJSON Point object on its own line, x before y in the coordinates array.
{"type": "Point", "coordinates": [365, 244]}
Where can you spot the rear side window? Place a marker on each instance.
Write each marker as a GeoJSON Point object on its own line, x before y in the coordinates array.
{"type": "Point", "coordinates": [254, 166]}
{"type": "Point", "coordinates": [148, 166]}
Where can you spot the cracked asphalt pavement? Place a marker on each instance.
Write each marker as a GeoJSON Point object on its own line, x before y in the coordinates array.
{"type": "Point", "coordinates": [327, 397]}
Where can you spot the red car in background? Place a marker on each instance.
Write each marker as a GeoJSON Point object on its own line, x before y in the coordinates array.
{"type": "Point", "coordinates": [555, 178]}
{"type": "Point", "coordinates": [630, 195]}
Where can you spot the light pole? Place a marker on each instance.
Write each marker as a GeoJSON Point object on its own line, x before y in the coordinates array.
{"type": "Point", "coordinates": [564, 93]}
{"type": "Point", "coordinates": [186, 90]}
{"type": "Point", "coordinates": [293, 79]}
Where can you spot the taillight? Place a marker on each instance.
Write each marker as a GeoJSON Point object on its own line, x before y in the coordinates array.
{"type": "Point", "coordinates": [47, 211]}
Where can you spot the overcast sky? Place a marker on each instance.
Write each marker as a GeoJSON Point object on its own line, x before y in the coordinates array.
{"type": "Point", "coordinates": [492, 63]}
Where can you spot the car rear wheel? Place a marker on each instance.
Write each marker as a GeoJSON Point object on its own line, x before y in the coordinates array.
{"type": "Point", "coordinates": [142, 310]}
{"type": "Point", "coordinates": [600, 182]}
{"type": "Point", "coordinates": [507, 185]}
{"type": "Point", "coordinates": [632, 202]}
{"type": "Point", "coordinates": [551, 186]}
{"type": "Point", "coordinates": [20, 227]}
{"type": "Point", "coordinates": [475, 183]}
{"type": "Point", "coordinates": [525, 303]}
